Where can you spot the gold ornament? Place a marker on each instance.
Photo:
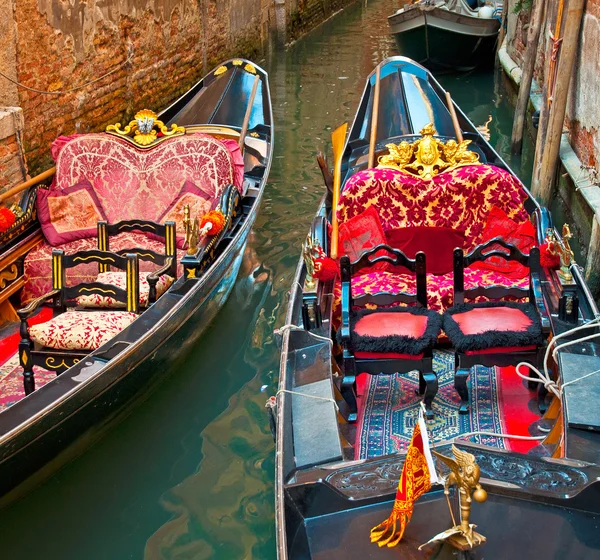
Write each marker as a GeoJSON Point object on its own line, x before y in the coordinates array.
{"type": "Point", "coordinates": [142, 128]}
{"type": "Point", "coordinates": [428, 156]}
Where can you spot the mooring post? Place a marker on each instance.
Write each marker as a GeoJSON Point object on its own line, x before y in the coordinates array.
{"type": "Point", "coordinates": [533, 36]}
{"type": "Point", "coordinates": [543, 189]}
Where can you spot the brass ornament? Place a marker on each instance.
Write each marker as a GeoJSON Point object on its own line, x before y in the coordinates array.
{"type": "Point", "coordinates": [249, 68]}
{"type": "Point", "coordinates": [7, 275]}
{"type": "Point", "coordinates": [237, 62]}
{"type": "Point", "coordinates": [192, 231]}
{"type": "Point", "coordinates": [143, 129]}
{"type": "Point", "coordinates": [562, 248]}
{"type": "Point", "coordinates": [220, 70]}
{"type": "Point", "coordinates": [428, 156]}
{"type": "Point", "coordinates": [464, 475]}
{"type": "Point", "coordinates": [311, 250]}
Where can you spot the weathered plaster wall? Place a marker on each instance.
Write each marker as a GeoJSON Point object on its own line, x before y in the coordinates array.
{"type": "Point", "coordinates": [8, 55]}
{"type": "Point", "coordinates": [583, 117]}
{"type": "Point", "coordinates": [13, 169]}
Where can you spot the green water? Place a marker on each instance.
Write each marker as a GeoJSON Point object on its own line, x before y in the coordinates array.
{"type": "Point", "coordinates": [189, 474]}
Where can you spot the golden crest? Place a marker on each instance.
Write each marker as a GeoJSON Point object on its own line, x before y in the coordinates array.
{"type": "Point", "coordinates": [428, 156]}
{"type": "Point", "coordinates": [220, 70]}
{"type": "Point", "coordinates": [143, 129]}
{"type": "Point", "coordinates": [250, 68]}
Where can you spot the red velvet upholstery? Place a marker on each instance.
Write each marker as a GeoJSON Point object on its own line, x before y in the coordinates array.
{"type": "Point", "coordinates": [361, 233]}
{"type": "Point", "coordinates": [388, 324]}
{"type": "Point", "coordinates": [484, 319]}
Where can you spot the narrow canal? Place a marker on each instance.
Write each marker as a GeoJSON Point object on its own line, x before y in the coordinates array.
{"type": "Point", "coordinates": [189, 474]}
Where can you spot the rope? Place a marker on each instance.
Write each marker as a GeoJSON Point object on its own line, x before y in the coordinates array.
{"type": "Point", "coordinates": [329, 399]}
{"type": "Point", "coordinates": [63, 92]}
{"type": "Point", "coordinates": [556, 43]}
{"type": "Point", "coordinates": [290, 327]}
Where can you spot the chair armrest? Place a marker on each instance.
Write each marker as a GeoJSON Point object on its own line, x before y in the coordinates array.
{"type": "Point", "coordinates": [346, 299]}
{"type": "Point", "coordinates": [538, 298]}
{"type": "Point", "coordinates": [27, 311]}
{"type": "Point", "coordinates": [153, 278]}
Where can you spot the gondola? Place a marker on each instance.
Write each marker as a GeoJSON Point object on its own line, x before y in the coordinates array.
{"type": "Point", "coordinates": [219, 136]}
{"type": "Point", "coordinates": [349, 398]}
{"type": "Point", "coordinates": [454, 35]}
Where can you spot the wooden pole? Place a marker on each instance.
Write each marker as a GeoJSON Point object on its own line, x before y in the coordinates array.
{"type": "Point", "coordinates": [248, 113]}
{"type": "Point", "coordinates": [28, 184]}
{"type": "Point", "coordinates": [374, 118]}
{"type": "Point", "coordinates": [457, 130]}
{"type": "Point", "coordinates": [543, 190]}
{"type": "Point", "coordinates": [337, 140]}
{"type": "Point", "coordinates": [533, 36]}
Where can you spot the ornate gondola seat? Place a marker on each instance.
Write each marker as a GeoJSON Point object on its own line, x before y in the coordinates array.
{"type": "Point", "coordinates": [106, 177]}
{"type": "Point", "coordinates": [383, 340]}
{"type": "Point", "coordinates": [71, 334]}
{"type": "Point", "coordinates": [495, 333]}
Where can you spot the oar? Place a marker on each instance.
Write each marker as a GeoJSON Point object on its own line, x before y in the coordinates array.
{"type": "Point", "coordinates": [374, 118]}
{"type": "Point", "coordinates": [27, 184]}
{"type": "Point", "coordinates": [248, 113]}
{"type": "Point", "coordinates": [457, 131]}
{"type": "Point", "coordinates": [337, 140]}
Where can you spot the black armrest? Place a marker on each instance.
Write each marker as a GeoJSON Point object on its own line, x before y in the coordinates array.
{"type": "Point", "coordinates": [538, 298]}
{"type": "Point", "coordinates": [153, 278]}
{"type": "Point", "coordinates": [346, 298]}
{"type": "Point", "coordinates": [542, 222]}
{"type": "Point", "coordinates": [319, 233]}
{"type": "Point", "coordinates": [27, 311]}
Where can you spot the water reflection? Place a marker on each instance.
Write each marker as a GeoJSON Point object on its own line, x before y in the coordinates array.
{"type": "Point", "coordinates": [189, 475]}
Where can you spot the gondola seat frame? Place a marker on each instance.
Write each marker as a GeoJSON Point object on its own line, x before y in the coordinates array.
{"type": "Point", "coordinates": [59, 360]}
{"type": "Point", "coordinates": [417, 329]}
{"type": "Point", "coordinates": [499, 347]}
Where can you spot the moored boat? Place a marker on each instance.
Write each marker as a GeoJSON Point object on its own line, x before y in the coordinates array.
{"type": "Point", "coordinates": [363, 351]}
{"type": "Point", "coordinates": [456, 35]}
{"type": "Point", "coordinates": [185, 188]}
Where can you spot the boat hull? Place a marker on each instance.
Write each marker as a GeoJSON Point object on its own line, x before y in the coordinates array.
{"type": "Point", "coordinates": [440, 39]}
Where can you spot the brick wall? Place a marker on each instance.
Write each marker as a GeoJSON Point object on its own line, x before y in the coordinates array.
{"type": "Point", "coordinates": [583, 117]}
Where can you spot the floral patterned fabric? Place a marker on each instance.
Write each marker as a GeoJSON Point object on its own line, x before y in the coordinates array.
{"type": "Point", "coordinates": [81, 330]}
{"type": "Point", "coordinates": [119, 279]}
{"type": "Point", "coordinates": [38, 263]}
{"type": "Point", "coordinates": [460, 199]}
{"type": "Point", "coordinates": [134, 183]}
{"type": "Point", "coordinates": [440, 289]}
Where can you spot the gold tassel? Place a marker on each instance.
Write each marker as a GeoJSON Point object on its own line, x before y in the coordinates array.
{"type": "Point", "coordinates": [387, 533]}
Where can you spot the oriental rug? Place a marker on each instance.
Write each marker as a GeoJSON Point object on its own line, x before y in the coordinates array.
{"type": "Point", "coordinates": [389, 409]}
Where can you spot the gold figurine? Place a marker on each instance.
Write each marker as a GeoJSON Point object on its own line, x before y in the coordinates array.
{"type": "Point", "coordinates": [562, 248]}
{"type": "Point", "coordinates": [464, 474]}
{"type": "Point", "coordinates": [192, 231]}
{"type": "Point", "coordinates": [308, 254]}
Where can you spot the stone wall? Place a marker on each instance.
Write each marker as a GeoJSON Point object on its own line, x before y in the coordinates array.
{"type": "Point", "coordinates": [13, 169]}
{"type": "Point", "coordinates": [583, 118]}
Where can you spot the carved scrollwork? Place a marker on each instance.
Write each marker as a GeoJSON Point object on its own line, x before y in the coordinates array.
{"type": "Point", "coordinates": [8, 275]}
{"type": "Point", "coordinates": [530, 474]}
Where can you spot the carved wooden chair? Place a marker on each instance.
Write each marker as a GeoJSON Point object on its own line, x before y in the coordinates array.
{"type": "Point", "coordinates": [387, 340]}
{"type": "Point", "coordinates": [72, 334]}
{"type": "Point", "coordinates": [495, 333]}
{"type": "Point", "coordinates": [152, 285]}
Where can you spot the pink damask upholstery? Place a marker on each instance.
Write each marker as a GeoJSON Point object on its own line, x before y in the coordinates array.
{"type": "Point", "coordinates": [133, 183]}
{"type": "Point", "coordinates": [38, 269]}
{"type": "Point", "coordinates": [440, 289]}
{"type": "Point", "coordinates": [460, 199]}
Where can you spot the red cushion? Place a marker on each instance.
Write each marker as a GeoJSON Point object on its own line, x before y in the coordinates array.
{"type": "Point", "coordinates": [484, 319]}
{"type": "Point", "coordinates": [438, 244]}
{"type": "Point", "coordinates": [521, 235]}
{"type": "Point", "coordinates": [69, 214]}
{"type": "Point", "coordinates": [504, 350]}
{"type": "Point", "coordinates": [386, 355]}
{"type": "Point", "coordinates": [361, 233]}
{"type": "Point", "coordinates": [388, 323]}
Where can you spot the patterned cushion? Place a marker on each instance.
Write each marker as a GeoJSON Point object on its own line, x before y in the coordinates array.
{"type": "Point", "coordinates": [80, 330]}
{"type": "Point", "coordinates": [460, 199]}
{"type": "Point", "coordinates": [119, 279]}
{"type": "Point", "coordinates": [440, 289]}
{"type": "Point", "coordinates": [132, 183]}
{"type": "Point", "coordinates": [69, 214]}
{"type": "Point", "coordinates": [38, 263]}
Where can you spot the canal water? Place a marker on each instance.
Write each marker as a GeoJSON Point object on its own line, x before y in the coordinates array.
{"type": "Point", "coordinates": [189, 474]}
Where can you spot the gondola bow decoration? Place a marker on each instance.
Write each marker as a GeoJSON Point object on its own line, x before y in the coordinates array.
{"type": "Point", "coordinates": [417, 477]}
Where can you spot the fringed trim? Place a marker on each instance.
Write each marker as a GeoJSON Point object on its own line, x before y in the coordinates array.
{"type": "Point", "coordinates": [390, 532]}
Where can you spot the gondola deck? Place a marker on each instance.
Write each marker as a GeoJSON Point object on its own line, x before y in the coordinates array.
{"type": "Point", "coordinates": [335, 478]}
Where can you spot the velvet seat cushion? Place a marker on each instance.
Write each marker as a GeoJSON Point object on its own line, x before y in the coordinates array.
{"type": "Point", "coordinates": [400, 330]}
{"type": "Point", "coordinates": [38, 262]}
{"type": "Point", "coordinates": [119, 279]}
{"type": "Point", "coordinates": [493, 325]}
{"type": "Point", "coordinates": [81, 330]}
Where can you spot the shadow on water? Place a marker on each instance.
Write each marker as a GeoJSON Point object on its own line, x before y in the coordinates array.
{"type": "Point", "coordinates": [189, 475]}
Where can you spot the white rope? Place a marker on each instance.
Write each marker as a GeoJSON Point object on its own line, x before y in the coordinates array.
{"type": "Point", "coordinates": [544, 378]}
{"type": "Point", "coordinates": [329, 399]}
{"type": "Point", "coordinates": [498, 435]}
